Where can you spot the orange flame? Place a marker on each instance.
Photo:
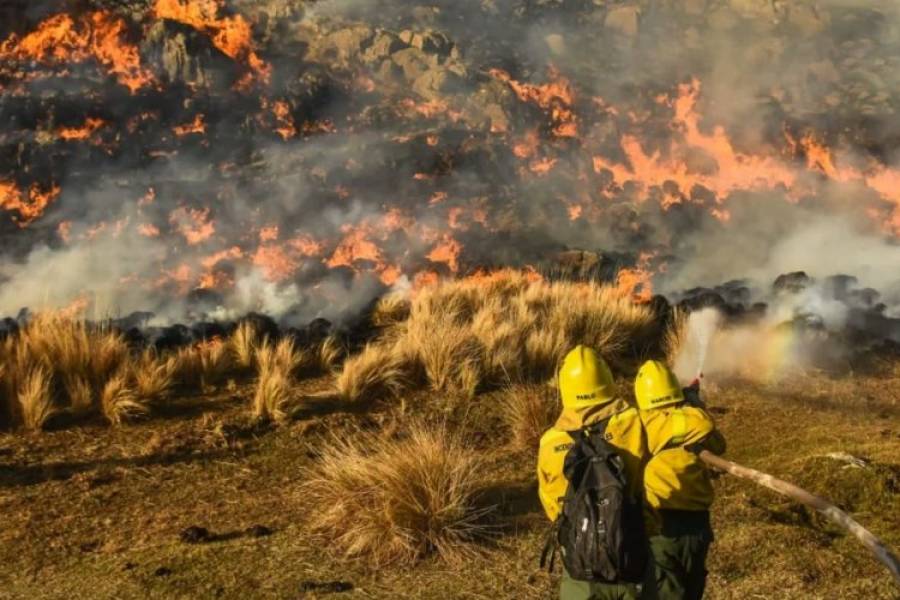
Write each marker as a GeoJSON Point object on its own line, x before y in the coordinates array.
{"type": "Point", "coordinates": [91, 125]}
{"type": "Point", "coordinates": [193, 224]}
{"type": "Point", "coordinates": [555, 98]}
{"type": "Point", "coordinates": [198, 125]}
{"type": "Point", "coordinates": [29, 208]}
{"type": "Point", "coordinates": [232, 35]}
{"type": "Point", "coordinates": [98, 35]}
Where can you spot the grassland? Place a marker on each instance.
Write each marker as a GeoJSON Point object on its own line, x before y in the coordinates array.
{"type": "Point", "coordinates": [254, 458]}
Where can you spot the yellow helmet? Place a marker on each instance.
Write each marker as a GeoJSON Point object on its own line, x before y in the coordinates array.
{"type": "Point", "coordinates": [584, 379]}
{"type": "Point", "coordinates": [656, 385]}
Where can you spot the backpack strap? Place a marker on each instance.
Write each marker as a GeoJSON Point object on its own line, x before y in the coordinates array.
{"type": "Point", "coordinates": [551, 547]}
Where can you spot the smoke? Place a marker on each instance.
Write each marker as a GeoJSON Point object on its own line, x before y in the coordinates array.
{"type": "Point", "coordinates": [384, 145]}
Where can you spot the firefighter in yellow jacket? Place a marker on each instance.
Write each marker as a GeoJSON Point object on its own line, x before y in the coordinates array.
{"type": "Point", "coordinates": [677, 487]}
{"type": "Point", "coordinates": [587, 393]}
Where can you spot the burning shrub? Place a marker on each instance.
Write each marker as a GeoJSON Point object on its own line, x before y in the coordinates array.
{"type": "Point", "coordinates": [529, 410]}
{"type": "Point", "coordinates": [397, 500]}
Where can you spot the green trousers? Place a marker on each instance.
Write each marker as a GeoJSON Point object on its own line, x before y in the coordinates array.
{"type": "Point", "coordinates": [679, 555]}
{"type": "Point", "coordinates": [572, 589]}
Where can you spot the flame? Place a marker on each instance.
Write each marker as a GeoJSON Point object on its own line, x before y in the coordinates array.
{"type": "Point", "coordinates": [282, 112]}
{"type": "Point", "coordinates": [230, 254]}
{"type": "Point", "coordinates": [198, 125]}
{"type": "Point", "coordinates": [268, 234]}
{"type": "Point", "coordinates": [306, 246]}
{"type": "Point", "coordinates": [637, 282]}
{"type": "Point", "coordinates": [148, 230]}
{"type": "Point", "coordinates": [447, 252]}
{"type": "Point", "coordinates": [75, 309]}
{"type": "Point", "coordinates": [276, 265]}
{"type": "Point", "coordinates": [354, 247]}
{"type": "Point", "coordinates": [98, 35]}
{"type": "Point", "coordinates": [556, 98]}
{"type": "Point", "coordinates": [232, 35]}
{"type": "Point", "coordinates": [29, 208]}
{"type": "Point", "coordinates": [193, 224]}
{"type": "Point", "coordinates": [91, 125]}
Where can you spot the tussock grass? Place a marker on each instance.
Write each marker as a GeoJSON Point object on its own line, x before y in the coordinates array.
{"type": "Point", "coordinates": [487, 331]}
{"type": "Point", "coordinates": [153, 376]}
{"type": "Point", "coordinates": [277, 366]}
{"type": "Point", "coordinates": [396, 501]}
{"type": "Point", "coordinates": [36, 405]}
{"type": "Point", "coordinates": [528, 411]}
{"type": "Point", "coordinates": [119, 402]}
{"type": "Point", "coordinates": [244, 342]}
{"type": "Point", "coordinates": [376, 372]}
{"type": "Point", "coordinates": [390, 310]}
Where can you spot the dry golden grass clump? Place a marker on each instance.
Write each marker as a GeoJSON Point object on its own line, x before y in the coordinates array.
{"type": "Point", "coordinates": [374, 373]}
{"type": "Point", "coordinates": [528, 411]}
{"type": "Point", "coordinates": [397, 500]}
{"type": "Point", "coordinates": [486, 331]}
{"type": "Point", "coordinates": [56, 365]}
{"type": "Point", "coordinates": [278, 364]}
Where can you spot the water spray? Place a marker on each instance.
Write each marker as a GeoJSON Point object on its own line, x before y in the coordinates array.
{"type": "Point", "coordinates": [702, 325]}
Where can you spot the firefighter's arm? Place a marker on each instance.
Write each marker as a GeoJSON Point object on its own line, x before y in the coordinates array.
{"type": "Point", "coordinates": [704, 435]}
{"type": "Point", "coordinates": [549, 479]}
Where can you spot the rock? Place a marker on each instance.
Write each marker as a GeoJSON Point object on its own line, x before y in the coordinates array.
{"type": "Point", "coordinates": [343, 44]}
{"type": "Point", "coordinates": [430, 42]}
{"type": "Point", "coordinates": [195, 535]}
{"type": "Point", "coordinates": [326, 587]}
{"type": "Point", "coordinates": [413, 62]}
{"type": "Point", "coordinates": [623, 19]}
{"type": "Point", "coordinates": [383, 46]}
{"type": "Point", "coordinates": [187, 56]}
{"type": "Point", "coordinates": [258, 531]}
{"type": "Point", "coordinates": [435, 82]}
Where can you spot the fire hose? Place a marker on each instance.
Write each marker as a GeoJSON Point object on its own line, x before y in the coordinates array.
{"type": "Point", "coordinates": [835, 514]}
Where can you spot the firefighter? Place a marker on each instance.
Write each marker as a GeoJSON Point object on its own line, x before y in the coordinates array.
{"type": "Point", "coordinates": [677, 487]}
{"type": "Point", "coordinates": [587, 392]}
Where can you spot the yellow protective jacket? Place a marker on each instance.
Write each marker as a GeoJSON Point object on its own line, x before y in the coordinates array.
{"type": "Point", "coordinates": [623, 431]}
{"type": "Point", "coordinates": [675, 478]}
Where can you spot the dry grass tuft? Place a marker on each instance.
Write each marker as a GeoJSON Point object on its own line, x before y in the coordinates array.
{"type": "Point", "coordinates": [488, 331]}
{"type": "Point", "coordinates": [375, 373]}
{"type": "Point", "coordinates": [329, 354]}
{"type": "Point", "coordinates": [529, 410]}
{"type": "Point", "coordinates": [390, 310]}
{"type": "Point", "coordinates": [277, 366]}
{"type": "Point", "coordinates": [119, 401]}
{"type": "Point", "coordinates": [244, 342]}
{"type": "Point", "coordinates": [35, 400]}
{"type": "Point", "coordinates": [55, 364]}
{"type": "Point", "coordinates": [396, 501]}
{"type": "Point", "coordinates": [153, 376]}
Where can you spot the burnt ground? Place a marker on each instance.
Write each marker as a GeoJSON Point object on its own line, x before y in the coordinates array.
{"type": "Point", "coordinates": [95, 512]}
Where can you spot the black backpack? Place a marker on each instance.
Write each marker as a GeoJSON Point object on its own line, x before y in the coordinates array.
{"type": "Point", "coordinates": [600, 531]}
